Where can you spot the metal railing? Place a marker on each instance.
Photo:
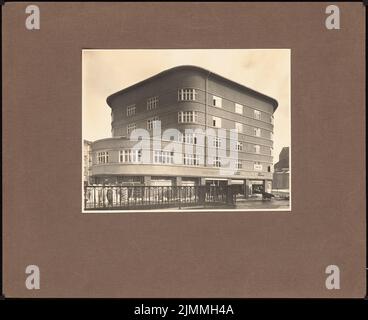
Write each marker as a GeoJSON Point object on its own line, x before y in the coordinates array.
{"type": "Point", "coordinates": [102, 197]}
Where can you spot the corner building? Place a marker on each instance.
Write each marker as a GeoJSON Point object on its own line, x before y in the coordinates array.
{"type": "Point", "coordinates": [188, 97]}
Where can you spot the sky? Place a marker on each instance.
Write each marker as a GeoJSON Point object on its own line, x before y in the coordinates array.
{"type": "Point", "coordinates": [107, 71]}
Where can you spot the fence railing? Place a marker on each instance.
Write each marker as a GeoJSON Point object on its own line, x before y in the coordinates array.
{"type": "Point", "coordinates": [151, 197]}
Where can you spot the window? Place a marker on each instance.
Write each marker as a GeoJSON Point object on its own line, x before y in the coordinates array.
{"type": "Point", "coordinates": [103, 157]}
{"type": "Point", "coordinates": [130, 156]}
{"type": "Point", "coordinates": [216, 162]}
{"type": "Point", "coordinates": [238, 127]}
{"type": "Point", "coordinates": [239, 164]}
{"type": "Point", "coordinates": [257, 166]}
{"type": "Point", "coordinates": [186, 94]}
{"type": "Point", "coordinates": [257, 115]}
{"type": "Point", "coordinates": [187, 116]}
{"type": "Point", "coordinates": [217, 102]}
{"type": "Point", "coordinates": [152, 123]}
{"type": "Point", "coordinates": [190, 159]}
{"type": "Point", "coordinates": [257, 148]}
{"type": "Point", "coordinates": [189, 138]}
{"type": "Point", "coordinates": [152, 103]}
{"type": "Point", "coordinates": [257, 132]}
{"type": "Point", "coordinates": [239, 146]}
{"type": "Point", "coordinates": [130, 110]}
{"type": "Point", "coordinates": [216, 122]}
{"type": "Point", "coordinates": [130, 128]}
{"type": "Point", "coordinates": [217, 142]}
{"type": "Point", "coordinates": [163, 157]}
{"type": "Point", "coordinates": [238, 108]}
{"type": "Point", "coordinates": [269, 169]}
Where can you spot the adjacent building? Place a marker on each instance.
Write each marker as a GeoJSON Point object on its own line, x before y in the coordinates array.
{"type": "Point", "coordinates": [87, 162]}
{"type": "Point", "coordinates": [282, 171]}
{"type": "Point", "coordinates": [189, 105]}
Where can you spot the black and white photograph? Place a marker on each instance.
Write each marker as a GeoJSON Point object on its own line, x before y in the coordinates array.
{"type": "Point", "coordinates": [186, 130]}
{"type": "Point", "coordinates": [182, 158]}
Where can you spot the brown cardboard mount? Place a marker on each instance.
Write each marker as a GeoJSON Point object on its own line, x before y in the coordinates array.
{"type": "Point", "coordinates": [251, 254]}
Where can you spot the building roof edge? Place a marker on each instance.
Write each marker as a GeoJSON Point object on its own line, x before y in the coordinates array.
{"type": "Point", "coordinates": [188, 67]}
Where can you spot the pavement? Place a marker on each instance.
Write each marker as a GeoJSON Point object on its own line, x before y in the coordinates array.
{"type": "Point", "coordinates": [271, 204]}
{"type": "Point", "coordinates": [249, 204]}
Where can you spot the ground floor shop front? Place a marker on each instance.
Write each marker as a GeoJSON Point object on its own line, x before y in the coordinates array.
{"type": "Point", "coordinates": [246, 187]}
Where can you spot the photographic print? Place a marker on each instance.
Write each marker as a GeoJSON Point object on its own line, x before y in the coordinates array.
{"type": "Point", "coordinates": [186, 130]}
{"type": "Point", "coordinates": [184, 151]}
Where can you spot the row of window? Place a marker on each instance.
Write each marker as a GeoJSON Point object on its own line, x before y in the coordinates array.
{"type": "Point", "coordinates": [192, 117]}
{"type": "Point", "coordinates": [189, 94]}
{"type": "Point", "coordinates": [187, 117]}
{"type": "Point", "coordinates": [167, 157]}
{"type": "Point", "coordinates": [191, 138]}
{"type": "Point", "coordinates": [190, 159]}
{"type": "Point", "coordinates": [130, 156]}
{"type": "Point", "coordinates": [257, 166]}
{"type": "Point", "coordinates": [103, 157]}
{"type": "Point", "coordinates": [151, 124]}
{"type": "Point", "coordinates": [152, 103]}
{"type": "Point", "coordinates": [217, 102]}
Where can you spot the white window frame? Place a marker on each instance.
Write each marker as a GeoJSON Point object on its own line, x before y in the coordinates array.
{"type": "Point", "coordinates": [239, 146]}
{"type": "Point", "coordinates": [187, 94]}
{"type": "Point", "coordinates": [239, 164]}
{"type": "Point", "coordinates": [190, 159]}
{"type": "Point", "coordinates": [239, 108]}
{"type": "Point", "coordinates": [257, 114]}
{"type": "Point", "coordinates": [217, 101]}
{"type": "Point", "coordinates": [130, 156]}
{"type": "Point", "coordinates": [163, 157]}
{"type": "Point", "coordinates": [130, 110]}
{"type": "Point", "coordinates": [257, 166]}
{"type": "Point", "coordinates": [257, 149]}
{"type": "Point", "coordinates": [187, 117]}
{"type": "Point", "coordinates": [130, 128]}
{"type": "Point", "coordinates": [238, 127]}
{"type": "Point", "coordinates": [257, 132]}
{"type": "Point", "coordinates": [216, 162]}
{"type": "Point", "coordinates": [103, 157]}
{"type": "Point", "coordinates": [216, 122]}
{"type": "Point", "coordinates": [152, 123]}
{"type": "Point", "coordinates": [188, 138]}
{"type": "Point", "coordinates": [152, 103]}
{"type": "Point", "coordinates": [217, 142]}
